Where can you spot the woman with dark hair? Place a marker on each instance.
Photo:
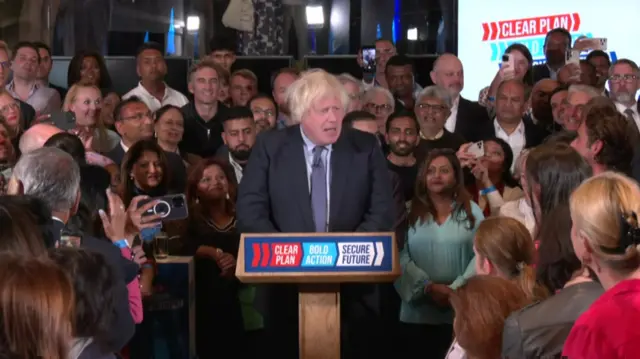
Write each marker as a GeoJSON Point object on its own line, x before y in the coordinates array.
{"type": "Point", "coordinates": [522, 61]}
{"type": "Point", "coordinates": [93, 282]}
{"type": "Point", "coordinates": [144, 171]}
{"type": "Point", "coordinates": [169, 128]}
{"type": "Point", "coordinates": [493, 185]}
{"type": "Point", "coordinates": [553, 172]}
{"type": "Point", "coordinates": [212, 239]}
{"type": "Point", "coordinates": [88, 68]}
{"type": "Point", "coordinates": [438, 255]}
{"type": "Point", "coordinates": [36, 302]}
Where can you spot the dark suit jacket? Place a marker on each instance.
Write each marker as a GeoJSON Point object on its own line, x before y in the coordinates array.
{"type": "Point", "coordinates": [27, 114]}
{"type": "Point", "coordinates": [274, 197]}
{"type": "Point", "coordinates": [540, 72]}
{"type": "Point", "coordinates": [122, 326]}
{"type": "Point", "coordinates": [471, 116]}
{"type": "Point", "coordinates": [178, 175]}
{"type": "Point", "coordinates": [274, 193]}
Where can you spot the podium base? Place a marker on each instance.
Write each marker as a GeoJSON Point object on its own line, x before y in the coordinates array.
{"type": "Point", "coordinates": [319, 315]}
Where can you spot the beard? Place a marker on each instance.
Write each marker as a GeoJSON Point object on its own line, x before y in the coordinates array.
{"type": "Point", "coordinates": [401, 151]}
{"type": "Point", "coordinates": [624, 97]}
{"type": "Point", "coordinates": [240, 153]}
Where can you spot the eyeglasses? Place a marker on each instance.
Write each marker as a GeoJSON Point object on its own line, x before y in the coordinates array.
{"type": "Point", "coordinates": [430, 107]}
{"type": "Point", "coordinates": [5, 64]}
{"type": "Point", "coordinates": [626, 78]}
{"type": "Point", "coordinates": [259, 111]}
{"type": "Point", "coordinates": [6, 108]}
{"type": "Point", "coordinates": [383, 108]}
{"type": "Point", "coordinates": [139, 116]}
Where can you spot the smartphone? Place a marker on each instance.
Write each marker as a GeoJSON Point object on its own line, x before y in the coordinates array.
{"type": "Point", "coordinates": [369, 58]}
{"type": "Point", "coordinates": [63, 120]}
{"type": "Point", "coordinates": [170, 208]}
{"type": "Point", "coordinates": [572, 57]}
{"type": "Point", "coordinates": [598, 43]}
{"type": "Point", "coordinates": [476, 149]}
{"type": "Point", "coordinates": [508, 64]}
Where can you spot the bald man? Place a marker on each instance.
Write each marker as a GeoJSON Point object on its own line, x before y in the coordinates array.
{"type": "Point", "coordinates": [541, 102]}
{"type": "Point", "coordinates": [465, 115]}
{"type": "Point", "coordinates": [36, 136]}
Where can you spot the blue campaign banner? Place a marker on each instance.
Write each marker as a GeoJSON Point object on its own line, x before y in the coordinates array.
{"type": "Point", "coordinates": [300, 254]}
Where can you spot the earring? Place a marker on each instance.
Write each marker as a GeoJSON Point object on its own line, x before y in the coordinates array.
{"type": "Point", "coordinates": [227, 196]}
{"type": "Point", "coordinates": [197, 200]}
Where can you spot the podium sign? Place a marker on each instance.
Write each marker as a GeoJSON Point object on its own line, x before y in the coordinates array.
{"type": "Point", "coordinates": [318, 262]}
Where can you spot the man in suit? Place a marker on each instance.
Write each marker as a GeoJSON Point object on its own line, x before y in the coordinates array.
{"type": "Point", "coordinates": [313, 177]}
{"type": "Point", "coordinates": [556, 44]}
{"type": "Point", "coordinates": [134, 122]}
{"type": "Point", "coordinates": [465, 116]}
{"type": "Point", "coordinates": [53, 176]}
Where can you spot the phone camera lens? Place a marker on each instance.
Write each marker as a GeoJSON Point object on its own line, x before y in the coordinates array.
{"type": "Point", "coordinates": [162, 208]}
{"type": "Point", "coordinates": [178, 202]}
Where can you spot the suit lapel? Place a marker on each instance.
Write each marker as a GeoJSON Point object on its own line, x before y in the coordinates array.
{"type": "Point", "coordinates": [460, 117]}
{"type": "Point", "coordinates": [298, 176]}
{"type": "Point", "coordinates": [341, 160]}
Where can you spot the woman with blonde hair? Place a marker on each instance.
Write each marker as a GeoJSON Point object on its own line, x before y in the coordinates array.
{"type": "Point", "coordinates": [85, 102]}
{"type": "Point", "coordinates": [36, 307]}
{"type": "Point", "coordinates": [606, 238]}
{"type": "Point", "coordinates": [503, 247]}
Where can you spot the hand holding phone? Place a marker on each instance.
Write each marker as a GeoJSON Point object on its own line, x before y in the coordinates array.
{"type": "Point", "coordinates": [369, 59]}
{"type": "Point", "coordinates": [507, 69]}
{"type": "Point", "coordinates": [476, 149]}
{"type": "Point", "coordinates": [167, 208]}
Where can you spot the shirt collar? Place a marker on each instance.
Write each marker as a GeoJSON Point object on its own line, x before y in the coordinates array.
{"type": "Point", "coordinates": [308, 145]}
{"type": "Point", "coordinates": [519, 129]}
{"type": "Point", "coordinates": [437, 136]}
{"type": "Point", "coordinates": [148, 94]}
{"type": "Point", "coordinates": [234, 163]}
{"type": "Point", "coordinates": [12, 86]}
{"type": "Point", "coordinates": [124, 147]}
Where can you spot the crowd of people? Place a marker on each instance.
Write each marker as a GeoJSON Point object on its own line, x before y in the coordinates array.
{"type": "Point", "coordinates": [516, 215]}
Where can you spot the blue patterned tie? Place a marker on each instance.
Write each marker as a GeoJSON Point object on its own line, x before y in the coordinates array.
{"type": "Point", "coordinates": [319, 190]}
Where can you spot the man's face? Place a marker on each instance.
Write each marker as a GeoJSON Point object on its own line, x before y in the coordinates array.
{"type": "Point", "coordinates": [623, 83]}
{"type": "Point", "coordinates": [432, 114]}
{"type": "Point", "coordinates": [400, 80]}
{"type": "Point", "coordinates": [510, 102]}
{"type": "Point", "coordinates": [241, 90]}
{"type": "Point", "coordinates": [5, 68]}
{"type": "Point", "coordinates": [239, 135]}
{"type": "Point", "coordinates": [558, 106]}
{"type": "Point", "coordinates": [136, 122]}
{"type": "Point", "coordinates": [575, 106]}
{"type": "Point", "coordinates": [588, 75]}
{"type": "Point", "coordinates": [25, 64]}
{"type": "Point", "coordinates": [379, 106]}
{"type": "Point", "coordinates": [601, 64]}
{"type": "Point", "coordinates": [224, 58]}
{"type": "Point", "coordinates": [204, 86]}
{"type": "Point", "coordinates": [322, 123]}
{"type": "Point", "coordinates": [384, 51]}
{"type": "Point", "coordinates": [10, 110]}
{"type": "Point", "coordinates": [264, 113]}
{"type": "Point", "coordinates": [355, 97]}
{"type": "Point", "coordinates": [402, 136]}
{"type": "Point", "coordinates": [582, 145]}
{"type": "Point", "coordinates": [280, 86]}
{"type": "Point", "coordinates": [540, 99]}
{"type": "Point", "coordinates": [45, 64]}
{"type": "Point", "coordinates": [555, 49]}
{"type": "Point", "coordinates": [151, 66]}
{"type": "Point", "coordinates": [449, 74]}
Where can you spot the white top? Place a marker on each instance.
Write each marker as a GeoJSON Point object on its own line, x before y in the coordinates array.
{"type": "Point", "coordinates": [171, 97]}
{"type": "Point", "coordinates": [450, 123]}
{"type": "Point", "coordinates": [236, 168]}
{"type": "Point", "coordinates": [516, 139]}
{"type": "Point", "coordinates": [456, 351]}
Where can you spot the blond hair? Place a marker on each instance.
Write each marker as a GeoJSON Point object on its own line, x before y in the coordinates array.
{"type": "Point", "coordinates": [102, 142]}
{"type": "Point", "coordinates": [246, 74]}
{"type": "Point", "coordinates": [598, 208]}
{"type": "Point", "coordinates": [508, 246]}
{"type": "Point", "coordinates": [311, 87]}
{"type": "Point", "coordinates": [206, 64]}
{"type": "Point", "coordinates": [4, 47]}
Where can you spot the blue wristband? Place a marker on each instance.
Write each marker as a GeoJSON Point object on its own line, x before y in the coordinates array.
{"type": "Point", "coordinates": [122, 243]}
{"type": "Point", "coordinates": [488, 190]}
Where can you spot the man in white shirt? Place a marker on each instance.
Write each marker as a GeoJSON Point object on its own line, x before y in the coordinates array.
{"type": "Point", "coordinates": [152, 90]}
{"type": "Point", "coordinates": [510, 107]}
{"type": "Point", "coordinates": [624, 83]}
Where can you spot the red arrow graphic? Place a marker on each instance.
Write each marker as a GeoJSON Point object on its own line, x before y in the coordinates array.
{"type": "Point", "coordinates": [494, 31]}
{"type": "Point", "coordinates": [576, 21]}
{"type": "Point", "coordinates": [256, 254]}
{"type": "Point", "coordinates": [485, 31]}
{"type": "Point", "coordinates": [265, 255]}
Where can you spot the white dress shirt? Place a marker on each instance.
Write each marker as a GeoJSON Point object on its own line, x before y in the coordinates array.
{"type": "Point", "coordinates": [516, 139]}
{"type": "Point", "coordinates": [171, 97]}
{"type": "Point", "coordinates": [450, 123]}
{"type": "Point", "coordinates": [237, 168]}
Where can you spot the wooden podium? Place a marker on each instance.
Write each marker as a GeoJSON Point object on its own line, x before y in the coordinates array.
{"type": "Point", "coordinates": [318, 262]}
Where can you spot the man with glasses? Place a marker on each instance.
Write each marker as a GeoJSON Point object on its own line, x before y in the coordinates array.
{"type": "Point", "coordinates": [24, 85]}
{"type": "Point", "coordinates": [264, 111]}
{"type": "Point", "coordinates": [134, 122]}
{"type": "Point", "coordinates": [379, 102]}
{"type": "Point", "coordinates": [624, 83]}
{"type": "Point", "coordinates": [27, 113]}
